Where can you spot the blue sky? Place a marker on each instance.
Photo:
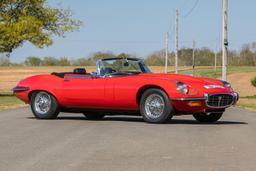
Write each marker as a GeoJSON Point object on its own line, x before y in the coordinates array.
{"type": "Point", "coordinates": [138, 27]}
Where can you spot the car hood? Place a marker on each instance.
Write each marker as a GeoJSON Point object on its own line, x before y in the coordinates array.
{"type": "Point", "coordinates": [185, 78]}
{"type": "Point", "coordinates": [195, 82]}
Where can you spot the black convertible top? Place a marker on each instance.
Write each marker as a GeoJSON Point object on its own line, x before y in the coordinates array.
{"type": "Point", "coordinates": [60, 74]}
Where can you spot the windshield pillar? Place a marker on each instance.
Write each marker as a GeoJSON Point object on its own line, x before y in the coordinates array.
{"type": "Point", "coordinates": [98, 64]}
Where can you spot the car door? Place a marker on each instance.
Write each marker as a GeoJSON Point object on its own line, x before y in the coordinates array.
{"type": "Point", "coordinates": [121, 92]}
{"type": "Point", "coordinates": [84, 91]}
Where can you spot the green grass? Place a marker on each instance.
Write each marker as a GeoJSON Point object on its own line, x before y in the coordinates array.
{"type": "Point", "coordinates": [249, 97]}
{"type": "Point", "coordinates": [247, 105]}
{"type": "Point", "coordinates": [247, 102]}
{"type": "Point", "coordinates": [210, 72]}
{"type": "Point", "coordinates": [10, 102]}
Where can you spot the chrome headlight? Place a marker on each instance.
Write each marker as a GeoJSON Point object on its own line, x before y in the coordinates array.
{"type": "Point", "coordinates": [182, 87]}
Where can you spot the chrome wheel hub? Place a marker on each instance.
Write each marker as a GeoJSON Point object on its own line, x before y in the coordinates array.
{"type": "Point", "coordinates": [42, 103]}
{"type": "Point", "coordinates": [154, 106]}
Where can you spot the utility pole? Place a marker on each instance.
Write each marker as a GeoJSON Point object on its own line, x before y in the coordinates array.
{"type": "Point", "coordinates": [225, 40]}
{"type": "Point", "coordinates": [215, 56]}
{"type": "Point", "coordinates": [193, 57]}
{"type": "Point", "coordinates": [166, 51]}
{"type": "Point", "coordinates": [215, 61]}
{"type": "Point", "coordinates": [177, 41]}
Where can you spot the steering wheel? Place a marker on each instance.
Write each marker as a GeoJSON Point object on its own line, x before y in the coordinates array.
{"type": "Point", "coordinates": [107, 70]}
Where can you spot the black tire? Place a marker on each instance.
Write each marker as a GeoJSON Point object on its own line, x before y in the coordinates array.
{"type": "Point", "coordinates": [53, 110]}
{"type": "Point", "coordinates": [151, 117]}
{"type": "Point", "coordinates": [207, 118]}
{"type": "Point", "coordinates": [93, 116]}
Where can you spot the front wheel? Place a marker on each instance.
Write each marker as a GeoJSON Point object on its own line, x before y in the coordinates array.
{"type": "Point", "coordinates": [155, 106]}
{"type": "Point", "coordinates": [207, 118]}
{"type": "Point", "coordinates": [44, 105]}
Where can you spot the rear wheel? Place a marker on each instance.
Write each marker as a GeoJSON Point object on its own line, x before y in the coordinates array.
{"type": "Point", "coordinates": [93, 116]}
{"type": "Point", "coordinates": [155, 106]}
{"type": "Point", "coordinates": [44, 105]}
{"type": "Point", "coordinates": [207, 118]}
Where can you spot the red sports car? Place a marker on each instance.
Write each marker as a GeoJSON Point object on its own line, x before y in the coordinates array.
{"type": "Point", "coordinates": [126, 86]}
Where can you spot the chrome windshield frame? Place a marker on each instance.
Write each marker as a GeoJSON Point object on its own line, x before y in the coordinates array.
{"type": "Point", "coordinates": [99, 63]}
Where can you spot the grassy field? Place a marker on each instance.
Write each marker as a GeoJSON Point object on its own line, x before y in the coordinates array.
{"type": "Point", "coordinates": [210, 72]}
{"type": "Point", "coordinates": [247, 103]}
{"type": "Point", "coordinates": [239, 77]}
{"type": "Point", "coordinates": [10, 102]}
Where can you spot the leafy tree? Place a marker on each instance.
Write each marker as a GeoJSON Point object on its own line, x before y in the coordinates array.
{"type": "Point", "coordinates": [101, 55]}
{"type": "Point", "coordinates": [204, 57]}
{"type": "Point", "coordinates": [33, 61]}
{"type": "Point", "coordinates": [83, 62]}
{"type": "Point", "coordinates": [33, 21]}
{"type": "Point", "coordinates": [50, 61]}
{"type": "Point", "coordinates": [64, 62]}
{"type": "Point", "coordinates": [156, 59]}
{"type": "Point", "coordinates": [125, 55]}
{"type": "Point", "coordinates": [185, 57]}
{"type": "Point", "coordinates": [248, 58]}
{"type": "Point", "coordinates": [4, 61]}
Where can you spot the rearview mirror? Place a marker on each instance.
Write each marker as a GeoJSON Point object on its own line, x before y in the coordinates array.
{"type": "Point", "coordinates": [126, 64]}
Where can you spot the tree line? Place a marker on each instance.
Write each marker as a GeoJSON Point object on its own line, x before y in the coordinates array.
{"type": "Point", "coordinates": [203, 57]}
{"type": "Point", "coordinates": [37, 22]}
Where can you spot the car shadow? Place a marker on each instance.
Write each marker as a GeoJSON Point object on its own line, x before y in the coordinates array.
{"type": "Point", "coordinates": [140, 119]}
{"type": "Point", "coordinates": [194, 122]}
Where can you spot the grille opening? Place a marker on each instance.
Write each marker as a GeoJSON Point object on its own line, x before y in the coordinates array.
{"type": "Point", "coordinates": [220, 100]}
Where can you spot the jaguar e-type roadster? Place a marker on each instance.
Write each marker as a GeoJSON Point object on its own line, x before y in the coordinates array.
{"type": "Point", "coordinates": [126, 86]}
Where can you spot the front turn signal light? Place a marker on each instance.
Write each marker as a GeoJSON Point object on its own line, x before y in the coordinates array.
{"type": "Point", "coordinates": [195, 103]}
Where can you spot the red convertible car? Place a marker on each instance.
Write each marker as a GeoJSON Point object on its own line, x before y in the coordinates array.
{"type": "Point", "coordinates": [126, 86]}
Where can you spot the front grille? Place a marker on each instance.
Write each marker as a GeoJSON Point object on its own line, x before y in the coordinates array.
{"type": "Point", "coordinates": [220, 100]}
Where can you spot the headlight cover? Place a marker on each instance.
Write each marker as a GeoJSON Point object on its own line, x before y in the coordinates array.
{"type": "Point", "coordinates": [182, 87]}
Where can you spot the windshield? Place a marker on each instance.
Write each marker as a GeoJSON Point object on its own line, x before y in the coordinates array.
{"type": "Point", "coordinates": [120, 66]}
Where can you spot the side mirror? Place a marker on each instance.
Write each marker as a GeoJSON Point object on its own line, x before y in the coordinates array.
{"type": "Point", "coordinates": [79, 71]}
{"type": "Point", "coordinates": [94, 74]}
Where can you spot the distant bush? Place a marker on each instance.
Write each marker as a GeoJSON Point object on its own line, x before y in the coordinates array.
{"type": "Point", "coordinates": [203, 57]}
{"type": "Point", "coordinates": [50, 61]}
{"type": "Point", "coordinates": [33, 61]}
{"type": "Point", "coordinates": [4, 61]}
{"type": "Point", "coordinates": [64, 62]}
{"type": "Point", "coordinates": [253, 81]}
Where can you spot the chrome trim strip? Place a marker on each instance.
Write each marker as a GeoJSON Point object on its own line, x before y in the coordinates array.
{"type": "Point", "coordinates": [79, 76]}
{"type": "Point", "coordinates": [19, 89]}
{"type": "Point", "coordinates": [188, 99]}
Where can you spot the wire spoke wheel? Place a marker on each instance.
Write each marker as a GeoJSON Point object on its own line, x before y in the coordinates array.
{"type": "Point", "coordinates": [42, 103]}
{"type": "Point", "coordinates": [154, 106]}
